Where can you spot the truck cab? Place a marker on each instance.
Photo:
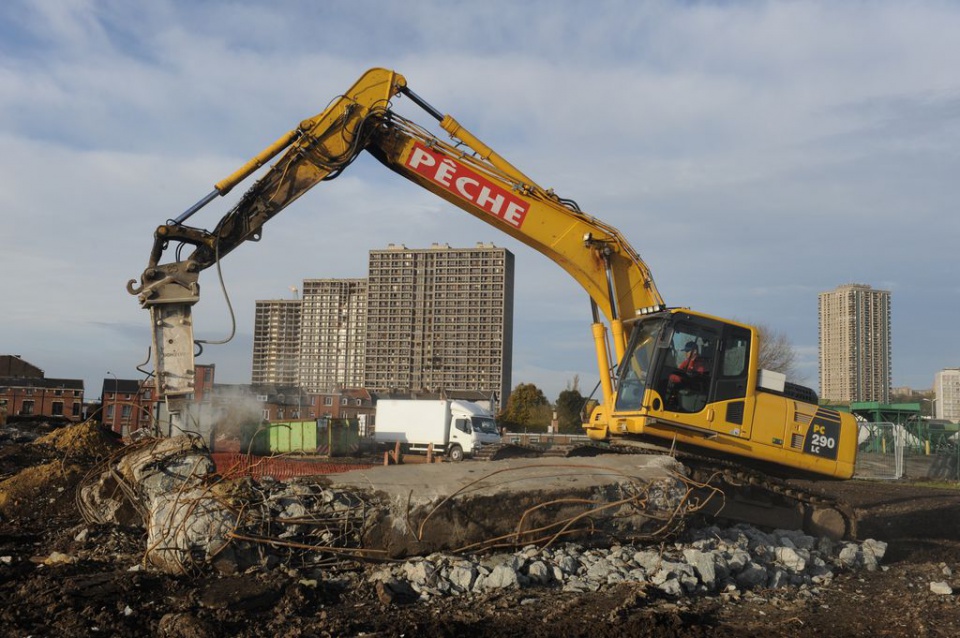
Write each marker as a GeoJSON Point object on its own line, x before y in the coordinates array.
{"type": "Point", "coordinates": [472, 427]}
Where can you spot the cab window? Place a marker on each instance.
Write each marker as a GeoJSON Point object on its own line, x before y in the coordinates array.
{"type": "Point", "coordinates": [687, 368]}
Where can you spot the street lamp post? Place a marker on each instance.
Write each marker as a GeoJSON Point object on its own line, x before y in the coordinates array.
{"type": "Point", "coordinates": [113, 418]}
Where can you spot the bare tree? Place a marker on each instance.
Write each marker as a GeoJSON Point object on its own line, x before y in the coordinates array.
{"type": "Point", "coordinates": [776, 351]}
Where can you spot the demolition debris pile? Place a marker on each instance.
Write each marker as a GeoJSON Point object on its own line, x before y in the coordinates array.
{"type": "Point", "coordinates": [195, 517]}
{"type": "Point", "coordinates": [709, 561]}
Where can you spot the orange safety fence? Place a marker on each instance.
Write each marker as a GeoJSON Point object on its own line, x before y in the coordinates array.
{"type": "Point", "coordinates": [279, 467]}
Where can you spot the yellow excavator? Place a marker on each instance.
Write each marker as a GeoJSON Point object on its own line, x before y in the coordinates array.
{"type": "Point", "coordinates": [672, 375]}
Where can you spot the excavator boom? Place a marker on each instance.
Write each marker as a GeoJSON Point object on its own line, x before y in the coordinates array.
{"type": "Point", "coordinates": [469, 175]}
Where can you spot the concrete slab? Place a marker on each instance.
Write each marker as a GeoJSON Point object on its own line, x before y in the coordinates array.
{"type": "Point", "coordinates": [420, 509]}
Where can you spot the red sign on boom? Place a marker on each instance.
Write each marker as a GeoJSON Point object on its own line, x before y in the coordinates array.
{"type": "Point", "coordinates": [456, 178]}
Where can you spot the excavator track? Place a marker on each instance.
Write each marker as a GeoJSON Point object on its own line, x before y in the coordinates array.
{"type": "Point", "coordinates": [729, 490]}
{"type": "Point", "coordinates": [737, 493]}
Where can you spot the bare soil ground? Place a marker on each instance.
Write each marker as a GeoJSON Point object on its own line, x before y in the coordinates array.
{"type": "Point", "coordinates": [61, 577]}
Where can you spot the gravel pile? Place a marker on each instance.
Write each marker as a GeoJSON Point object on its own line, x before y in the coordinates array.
{"type": "Point", "coordinates": [712, 560]}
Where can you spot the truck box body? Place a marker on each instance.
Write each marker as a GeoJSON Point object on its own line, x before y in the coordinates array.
{"type": "Point", "coordinates": [455, 428]}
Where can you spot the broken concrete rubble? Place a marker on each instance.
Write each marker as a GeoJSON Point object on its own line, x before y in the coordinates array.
{"type": "Point", "coordinates": [509, 503]}
{"type": "Point", "coordinates": [193, 517]}
{"type": "Point", "coordinates": [709, 561]}
{"type": "Point", "coordinates": [163, 482]}
{"type": "Point", "coordinates": [579, 526]}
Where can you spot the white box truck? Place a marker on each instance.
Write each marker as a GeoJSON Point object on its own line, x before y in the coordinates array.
{"type": "Point", "coordinates": [456, 429]}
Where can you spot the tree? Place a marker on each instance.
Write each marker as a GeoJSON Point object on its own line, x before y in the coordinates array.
{"type": "Point", "coordinates": [776, 352]}
{"type": "Point", "coordinates": [526, 409]}
{"type": "Point", "coordinates": [569, 409]}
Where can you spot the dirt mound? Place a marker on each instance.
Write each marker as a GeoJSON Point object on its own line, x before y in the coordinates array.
{"type": "Point", "coordinates": [41, 492]}
{"type": "Point", "coordinates": [87, 439]}
{"type": "Point", "coordinates": [44, 474]}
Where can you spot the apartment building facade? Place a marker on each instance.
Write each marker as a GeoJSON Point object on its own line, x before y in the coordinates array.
{"type": "Point", "coordinates": [127, 405]}
{"type": "Point", "coordinates": [439, 319]}
{"type": "Point", "coordinates": [26, 394]}
{"type": "Point", "coordinates": [276, 342]}
{"type": "Point", "coordinates": [855, 344]}
{"type": "Point", "coordinates": [946, 392]}
{"type": "Point", "coordinates": [332, 334]}
{"type": "Point", "coordinates": [39, 397]}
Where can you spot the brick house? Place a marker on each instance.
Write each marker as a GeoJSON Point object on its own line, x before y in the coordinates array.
{"type": "Point", "coordinates": [26, 394]}
{"type": "Point", "coordinates": [23, 398]}
{"type": "Point", "coordinates": [127, 405]}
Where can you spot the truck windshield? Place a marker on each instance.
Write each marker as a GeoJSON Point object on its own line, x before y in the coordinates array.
{"type": "Point", "coordinates": [485, 425]}
{"type": "Point", "coordinates": [636, 364]}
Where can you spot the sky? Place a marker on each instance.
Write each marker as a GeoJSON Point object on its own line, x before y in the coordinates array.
{"type": "Point", "coordinates": [754, 153]}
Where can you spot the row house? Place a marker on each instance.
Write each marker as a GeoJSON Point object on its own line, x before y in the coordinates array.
{"type": "Point", "coordinates": [32, 398]}
{"type": "Point", "coordinates": [127, 405]}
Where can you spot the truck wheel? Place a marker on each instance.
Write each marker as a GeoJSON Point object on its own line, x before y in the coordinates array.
{"type": "Point", "coordinates": [455, 453]}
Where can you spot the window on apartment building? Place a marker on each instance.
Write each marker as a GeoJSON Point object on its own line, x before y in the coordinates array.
{"type": "Point", "coordinates": [359, 402]}
{"type": "Point", "coordinates": [126, 411]}
{"type": "Point", "coordinates": [265, 415]}
{"type": "Point", "coordinates": [56, 409]}
{"type": "Point", "coordinates": [26, 408]}
{"type": "Point", "coordinates": [58, 392]}
{"type": "Point", "coordinates": [328, 400]}
{"type": "Point", "coordinates": [343, 401]}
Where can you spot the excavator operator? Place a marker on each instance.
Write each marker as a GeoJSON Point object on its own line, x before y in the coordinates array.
{"type": "Point", "coordinates": [686, 388]}
{"type": "Point", "coordinates": [693, 363]}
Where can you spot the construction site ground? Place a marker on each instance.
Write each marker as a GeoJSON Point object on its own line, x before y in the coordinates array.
{"type": "Point", "coordinates": [53, 584]}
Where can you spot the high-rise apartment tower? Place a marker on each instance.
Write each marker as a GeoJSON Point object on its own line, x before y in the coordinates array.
{"type": "Point", "coordinates": [946, 392]}
{"type": "Point", "coordinates": [855, 361]}
{"type": "Point", "coordinates": [440, 319]}
{"type": "Point", "coordinates": [332, 333]}
{"type": "Point", "coordinates": [276, 342]}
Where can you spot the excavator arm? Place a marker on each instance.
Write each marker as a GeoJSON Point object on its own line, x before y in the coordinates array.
{"type": "Point", "coordinates": [467, 173]}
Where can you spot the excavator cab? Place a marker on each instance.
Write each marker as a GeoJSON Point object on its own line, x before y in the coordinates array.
{"type": "Point", "coordinates": [681, 362]}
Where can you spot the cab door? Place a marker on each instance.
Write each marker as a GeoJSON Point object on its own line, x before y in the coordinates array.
{"type": "Point", "coordinates": [733, 402]}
